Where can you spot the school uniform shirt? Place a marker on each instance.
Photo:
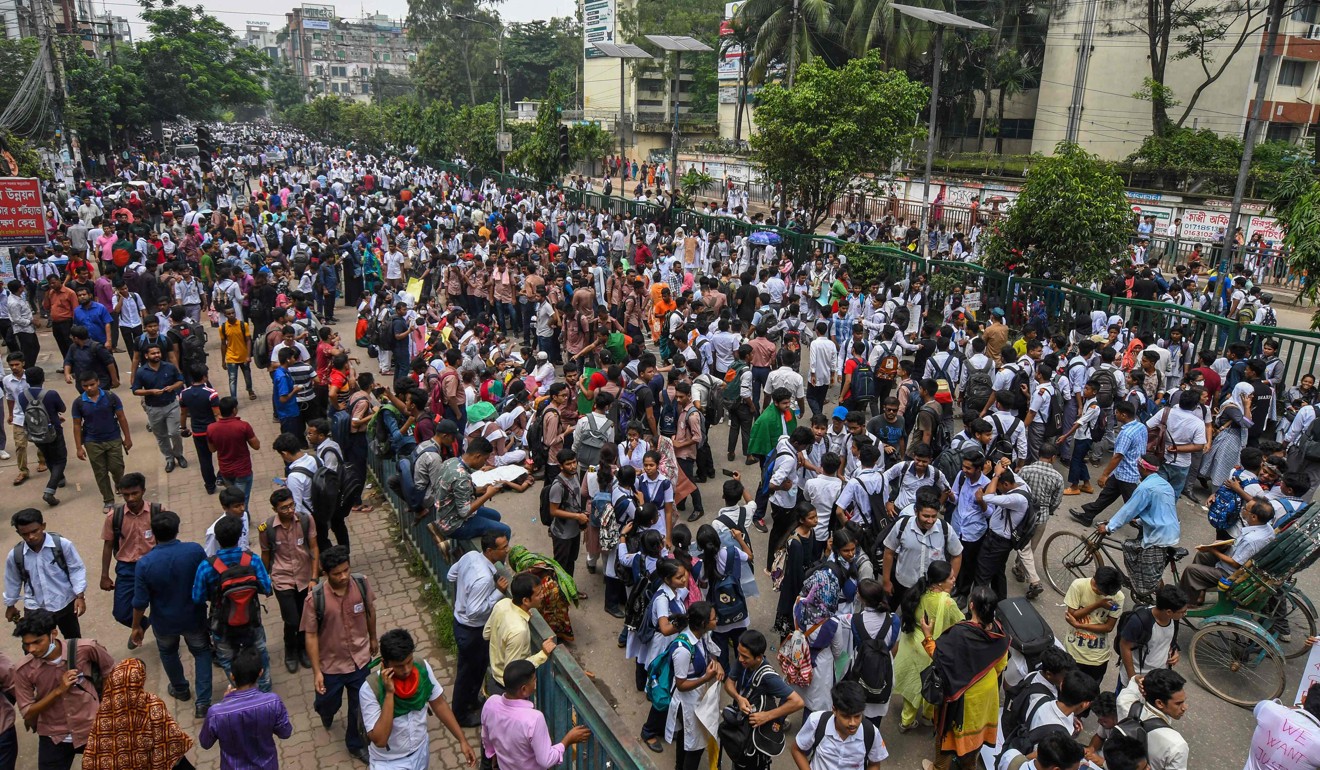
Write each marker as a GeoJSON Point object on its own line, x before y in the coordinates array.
{"type": "Point", "coordinates": [1003, 422]}
{"type": "Point", "coordinates": [855, 498]}
{"type": "Point", "coordinates": [1183, 427]}
{"type": "Point", "coordinates": [1165, 749]}
{"type": "Point", "coordinates": [879, 625]}
{"type": "Point", "coordinates": [665, 603]}
{"type": "Point", "coordinates": [1086, 421]}
{"type": "Point", "coordinates": [1007, 510]}
{"type": "Point", "coordinates": [690, 665]}
{"type": "Point", "coordinates": [786, 467]}
{"type": "Point", "coordinates": [836, 752]}
{"type": "Point", "coordinates": [970, 520]}
{"type": "Point", "coordinates": [909, 483]}
{"type": "Point", "coordinates": [822, 492]}
{"type": "Point", "coordinates": [1042, 394]}
{"type": "Point", "coordinates": [914, 550]}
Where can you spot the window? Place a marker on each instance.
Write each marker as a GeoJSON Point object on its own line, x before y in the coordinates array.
{"type": "Point", "coordinates": [1281, 132]}
{"type": "Point", "coordinates": [387, 56]}
{"type": "Point", "coordinates": [1306, 14]}
{"type": "Point", "coordinates": [1292, 72]}
{"type": "Point", "coordinates": [339, 37]}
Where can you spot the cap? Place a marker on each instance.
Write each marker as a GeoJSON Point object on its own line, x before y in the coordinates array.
{"type": "Point", "coordinates": [448, 427]}
{"type": "Point", "coordinates": [840, 412]}
{"type": "Point", "coordinates": [999, 311]}
{"type": "Point", "coordinates": [542, 356]}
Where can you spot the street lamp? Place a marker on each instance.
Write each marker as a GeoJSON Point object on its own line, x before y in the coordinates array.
{"type": "Point", "coordinates": [677, 44]}
{"type": "Point", "coordinates": [940, 19]}
{"type": "Point", "coordinates": [502, 140]}
{"type": "Point", "coordinates": [623, 53]}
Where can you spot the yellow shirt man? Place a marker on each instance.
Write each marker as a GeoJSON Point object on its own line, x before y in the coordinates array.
{"type": "Point", "coordinates": [509, 632]}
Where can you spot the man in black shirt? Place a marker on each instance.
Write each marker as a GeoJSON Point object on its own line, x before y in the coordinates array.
{"type": "Point", "coordinates": [199, 407]}
{"type": "Point", "coordinates": [87, 356]}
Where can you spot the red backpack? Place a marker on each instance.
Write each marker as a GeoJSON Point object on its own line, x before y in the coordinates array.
{"type": "Point", "coordinates": [234, 604]}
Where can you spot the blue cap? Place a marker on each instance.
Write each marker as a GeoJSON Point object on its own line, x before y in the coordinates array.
{"type": "Point", "coordinates": [841, 412]}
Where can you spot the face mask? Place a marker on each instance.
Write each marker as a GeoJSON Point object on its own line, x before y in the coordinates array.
{"type": "Point", "coordinates": [49, 649]}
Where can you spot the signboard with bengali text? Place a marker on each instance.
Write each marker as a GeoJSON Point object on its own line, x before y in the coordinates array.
{"type": "Point", "coordinates": [1201, 225]}
{"type": "Point", "coordinates": [597, 25]}
{"type": "Point", "coordinates": [1268, 227]}
{"type": "Point", "coordinates": [22, 221]}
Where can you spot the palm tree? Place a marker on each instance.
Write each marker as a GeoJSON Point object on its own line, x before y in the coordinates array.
{"type": "Point", "coordinates": [788, 32]}
{"type": "Point", "coordinates": [870, 24]}
{"type": "Point", "coordinates": [1010, 73]}
{"type": "Point", "coordinates": [743, 37]}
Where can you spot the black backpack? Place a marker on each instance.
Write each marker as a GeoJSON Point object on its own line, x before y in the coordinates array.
{"type": "Point", "coordinates": [1020, 377]}
{"type": "Point", "coordinates": [872, 666]}
{"type": "Point", "coordinates": [869, 734]}
{"type": "Point", "coordinates": [1002, 445]}
{"type": "Point", "coordinates": [1106, 387]}
{"type": "Point", "coordinates": [1054, 423]}
{"type": "Point", "coordinates": [980, 386]}
{"type": "Point", "coordinates": [192, 342]}
{"type": "Point", "coordinates": [1133, 726]}
{"type": "Point", "coordinates": [939, 433]}
{"type": "Point", "coordinates": [668, 422]}
{"type": "Point", "coordinates": [1017, 718]}
{"type": "Point", "coordinates": [37, 423]}
{"type": "Point", "coordinates": [536, 446]}
{"type": "Point", "coordinates": [1027, 631]}
{"type": "Point", "coordinates": [327, 486]}
{"type": "Point", "coordinates": [862, 386]}
{"type": "Point", "coordinates": [318, 597]}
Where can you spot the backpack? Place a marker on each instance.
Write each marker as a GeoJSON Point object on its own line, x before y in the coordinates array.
{"type": "Point", "coordinates": [36, 420]}
{"type": "Point", "coordinates": [1016, 725]}
{"type": "Point", "coordinates": [589, 436]}
{"type": "Point", "coordinates": [1227, 505]}
{"type": "Point", "coordinates": [660, 673]}
{"type": "Point", "coordinates": [637, 612]}
{"type": "Point", "coordinates": [913, 405]}
{"type": "Point", "coordinates": [536, 446]}
{"type": "Point", "coordinates": [939, 434]}
{"type": "Point", "coordinates": [1133, 726]}
{"type": "Point", "coordinates": [547, 518]}
{"type": "Point", "coordinates": [1106, 387]}
{"type": "Point", "coordinates": [192, 341]}
{"type": "Point", "coordinates": [1020, 378]}
{"type": "Point", "coordinates": [714, 402]}
{"type": "Point", "coordinates": [980, 386]}
{"type": "Point", "coordinates": [327, 487]}
{"type": "Point", "coordinates": [733, 383]}
{"type": "Point", "coordinates": [795, 658]}
{"type": "Point", "coordinates": [117, 523]}
{"type": "Point", "coordinates": [872, 666]}
{"type": "Point", "coordinates": [1020, 536]}
{"type": "Point", "coordinates": [268, 536]}
{"type": "Point", "coordinates": [1002, 445]}
{"type": "Point", "coordinates": [861, 387]}
{"type": "Point", "coordinates": [1157, 437]}
{"type": "Point", "coordinates": [668, 421]}
{"type": "Point", "coordinates": [318, 597]}
{"type": "Point", "coordinates": [341, 423]}
{"type": "Point", "coordinates": [1027, 631]}
{"type": "Point", "coordinates": [1247, 313]}
{"type": "Point", "coordinates": [887, 366]}
{"type": "Point", "coordinates": [234, 605]}
{"type": "Point", "coordinates": [624, 409]}
{"type": "Point", "coordinates": [609, 525]}
{"type": "Point", "coordinates": [93, 673]}
{"type": "Point", "coordinates": [1054, 423]}
{"type": "Point", "coordinates": [1270, 319]}
{"type": "Point", "coordinates": [726, 593]}
{"type": "Point", "coordinates": [261, 351]}
{"type": "Point", "coordinates": [16, 558]}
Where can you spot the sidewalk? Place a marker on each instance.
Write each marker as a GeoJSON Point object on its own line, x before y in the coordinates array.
{"type": "Point", "coordinates": [376, 553]}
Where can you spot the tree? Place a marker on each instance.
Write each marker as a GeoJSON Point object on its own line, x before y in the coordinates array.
{"type": "Point", "coordinates": [697, 18]}
{"type": "Point", "coordinates": [192, 64]}
{"type": "Point", "coordinates": [24, 155]}
{"type": "Point", "coordinates": [1209, 35]}
{"type": "Point", "coordinates": [1297, 203]}
{"type": "Point", "coordinates": [789, 38]}
{"type": "Point", "coordinates": [872, 119]}
{"type": "Point", "coordinates": [109, 96]}
{"type": "Point", "coordinates": [537, 51]}
{"type": "Point", "coordinates": [590, 142]}
{"type": "Point", "coordinates": [1010, 74]}
{"type": "Point", "coordinates": [742, 35]}
{"type": "Point", "coordinates": [470, 134]}
{"type": "Point", "coordinates": [457, 62]}
{"type": "Point", "coordinates": [538, 153]}
{"type": "Point", "coordinates": [1072, 219]}
{"type": "Point", "coordinates": [287, 89]}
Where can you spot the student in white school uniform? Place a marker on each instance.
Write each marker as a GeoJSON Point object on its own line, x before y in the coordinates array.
{"type": "Point", "coordinates": [694, 657]}
{"type": "Point", "coordinates": [842, 738]}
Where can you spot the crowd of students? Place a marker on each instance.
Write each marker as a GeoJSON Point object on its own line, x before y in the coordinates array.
{"type": "Point", "coordinates": [518, 335]}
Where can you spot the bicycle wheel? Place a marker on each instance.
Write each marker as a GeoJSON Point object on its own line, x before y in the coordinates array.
{"type": "Point", "coordinates": [1068, 556]}
{"type": "Point", "coordinates": [1236, 664]}
{"type": "Point", "coordinates": [1292, 624]}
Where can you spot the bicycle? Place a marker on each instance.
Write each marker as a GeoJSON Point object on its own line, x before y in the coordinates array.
{"type": "Point", "coordinates": [1068, 556]}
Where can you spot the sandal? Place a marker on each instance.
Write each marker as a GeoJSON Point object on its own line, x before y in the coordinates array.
{"type": "Point", "coordinates": [364, 508]}
{"type": "Point", "coordinates": [653, 744]}
{"type": "Point", "coordinates": [20, 478]}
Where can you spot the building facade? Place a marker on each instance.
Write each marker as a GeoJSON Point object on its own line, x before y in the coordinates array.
{"type": "Point", "coordinates": [346, 57]}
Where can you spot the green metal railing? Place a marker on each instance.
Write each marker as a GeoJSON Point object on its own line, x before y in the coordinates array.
{"type": "Point", "coordinates": [564, 693]}
{"type": "Point", "coordinates": [1299, 348]}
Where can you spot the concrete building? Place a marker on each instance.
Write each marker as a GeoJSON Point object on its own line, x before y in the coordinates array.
{"type": "Point", "coordinates": [648, 111]}
{"type": "Point", "coordinates": [259, 35]}
{"type": "Point", "coordinates": [1114, 122]}
{"type": "Point", "coordinates": [346, 56]}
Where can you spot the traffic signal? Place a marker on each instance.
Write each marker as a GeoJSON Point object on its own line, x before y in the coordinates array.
{"type": "Point", "coordinates": [205, 147]}
{"type": "Point", "coordinates": [563, 145]}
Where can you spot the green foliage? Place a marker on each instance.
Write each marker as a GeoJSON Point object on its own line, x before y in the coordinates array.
{"type": "Point", "coordinates": [1300, 216]}
{"type": "Point", "coordinates": [590, 142]}
{"type": "Point", "coordinates": [538, 154]}
{"type": "Point", "coordinates": [192, 64]}
{"type": "Point", "coordinates": [1189, 149]}
{"type": "Point", "coordinates": [25, 154]}
{"type": "Point", "coordinates": [872, 116]}
{"type": "Point", "coordinates": [538, 51]}
{"type": "Point", "coordinates": [287, 89]}
{"type": "Point", "coordinates": [457, 61]}
{"type": "Point", "coordinates": [471, 134]}
{"type": "Point", "coordinates": [697, 18]}
{"type": "Point", "coordinates": [693, 184]}
{"type": "Point", "coordinates": [109, 96]}
{"type": "Point", "coordinates": [1072, 219]}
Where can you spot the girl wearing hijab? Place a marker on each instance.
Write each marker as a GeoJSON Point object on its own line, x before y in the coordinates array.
{"type": "Point", "coordinates": [133, 728]}
{"type": "Point", "coordinates": [929, 598]}
{"type": "Point", "coordinates": [1230, 435]}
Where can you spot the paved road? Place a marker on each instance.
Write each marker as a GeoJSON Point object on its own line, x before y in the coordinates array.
{"type": "Point", "coordinates": [375, 553]}
{"type": "Point", "coordinates": [1218, 732]}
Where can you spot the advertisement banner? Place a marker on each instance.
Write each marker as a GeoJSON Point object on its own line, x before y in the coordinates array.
{"type": "Point", "coordinates": [728, 69]}
{"type": "Point", "coordinates": [728, 94]}
{"type": "Point", "coordinates": [1201, 225]}
{"type": "Point", "coordinates": [1268, 227]}
{"type": "Point", "coordinates": [597, 25]}
{"type": "Point", "coordinates": [319, 24]}
{"type": "Point", "coordinates": [1163, 216]}
{"type": "Point", "coordinates": [22, 222]}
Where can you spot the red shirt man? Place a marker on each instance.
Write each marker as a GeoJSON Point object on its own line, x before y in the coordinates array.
{"type": "Point", "coordinates": [230, 438]}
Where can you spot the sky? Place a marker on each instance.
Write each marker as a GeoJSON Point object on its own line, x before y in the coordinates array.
{"type": "Point", "coordinates": [236, 13]}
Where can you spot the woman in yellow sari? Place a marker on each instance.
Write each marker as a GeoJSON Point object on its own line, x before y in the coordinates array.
{"type": "Point", "coordinates": [968, 659]}
{"type": "Point", "coordinates": [928, 598]}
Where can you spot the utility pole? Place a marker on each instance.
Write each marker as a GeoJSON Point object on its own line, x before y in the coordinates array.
{"type": "Point", "coordinates": [55, 82]}
{"type": "Point", "coordinates": [793, 46]}
{"type": "Point", "coordinates": [1254, 120]}
{"type": "Point", "coordinates": [1079, 77]}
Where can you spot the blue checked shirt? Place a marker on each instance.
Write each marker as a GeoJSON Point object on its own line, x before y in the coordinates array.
{"type": "Point", "coordinates": [1130, 444]}
{"type": "Point", "coordinates": [206, 574]}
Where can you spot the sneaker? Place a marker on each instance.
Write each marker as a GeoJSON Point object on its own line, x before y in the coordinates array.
{"type": "Point", "coordinates": [1034, 590]}
{"type": "Point", "coordinates": [4, 455]}
{"type": "Point", "coordinates": [760, 526]}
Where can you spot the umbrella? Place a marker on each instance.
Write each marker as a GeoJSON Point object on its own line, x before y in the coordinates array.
{"type": "Point", "coordinates": [763, 238]}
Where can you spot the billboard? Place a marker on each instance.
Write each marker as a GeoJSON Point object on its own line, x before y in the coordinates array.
{"type": "Point", "coordinates": [318, 24]}
{"type": "Point", "coordinates": [22, 222]}
{"type": "Point", "coordinates": [1268, 227]}
{"type": "Point", "coordinates": [1201, 225]}
{"type": "Point", "coordinates": [597, 26]}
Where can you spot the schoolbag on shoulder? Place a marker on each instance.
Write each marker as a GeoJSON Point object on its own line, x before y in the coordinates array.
{"type": "Point", "coordinates": [318, 597]}
{"type": "Point", "coordinates": [795, 658]}
{"type": "Point", "coordinates": [980, 386]}
{"type": "Point", "coordinates": [326, 485]}
{"type": "Point", "coordinates": [37, 423]}
{"type": "Point", "coordinates": [872, 666]}
{"type": "Point", "coordinates": [660, 674]}
{"type": "Point", "coordinates": [1133, 726]}
{"type": "Point", "coordinates": [16, 558]}
{"type": "Point", "coordinates": [192, 338]}
{"type": "Point", "coordinates": [886, 367]}
{"type": "Point", "coordinates": [234, 605]}
{"type": "Point", "coordinates": [1106, 387]}
{"type": "Point", "coordinates": [1027, 631]}
{"type": "Point", "coordinates": [822, 725]}
{"type": "Point", "coordinates": [268, 537]}
{"type": "Point", "coordinates": [862, 386]}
